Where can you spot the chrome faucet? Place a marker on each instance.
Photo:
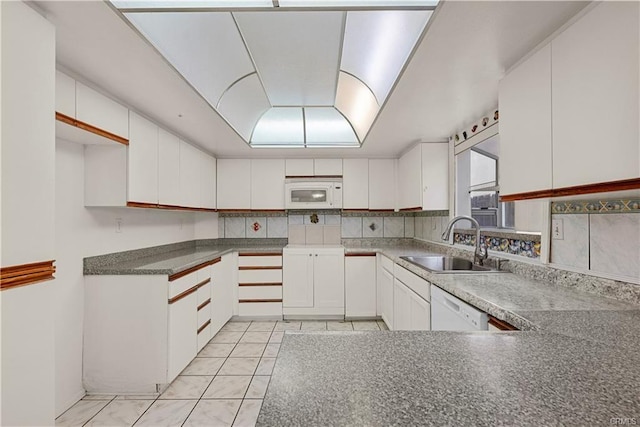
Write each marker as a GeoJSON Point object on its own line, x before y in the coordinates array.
{"type": "Point", "coordinates": [479, 255]}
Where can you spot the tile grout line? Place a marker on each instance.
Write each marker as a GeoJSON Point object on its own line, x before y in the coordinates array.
{"type": "Point", "coordinates": [94, 415]}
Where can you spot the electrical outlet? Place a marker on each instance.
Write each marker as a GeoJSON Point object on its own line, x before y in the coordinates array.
{"type": "Point", "coordinates": [557, 229]}
{"type": "Point", "coordinates": [118, 225]}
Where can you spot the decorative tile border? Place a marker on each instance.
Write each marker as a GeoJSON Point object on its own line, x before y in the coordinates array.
{"type": "Point", "coordinates": [251, 214]}
{"type": "Point", "coordinates": [596, 206]}
{"type": "Point", "coordinates": [487, 121]}
{"type": "Point", "coordinates": [431, 213]}
{"type": "Point", "coordinates": [526, 248]}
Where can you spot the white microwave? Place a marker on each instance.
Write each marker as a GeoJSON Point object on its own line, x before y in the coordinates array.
{"type": "Point", "coordinates": [313, 194]}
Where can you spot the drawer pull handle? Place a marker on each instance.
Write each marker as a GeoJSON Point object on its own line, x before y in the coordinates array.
{"type": "Point", "coordinates": [202, 328]}
{"type": "Point", "coordinates": [204, 304]}
{"type": "Point", "coordinates": [183, 294]}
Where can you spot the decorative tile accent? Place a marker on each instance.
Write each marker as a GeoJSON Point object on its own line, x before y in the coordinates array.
{"type": "Point", "coordinates": [573, 249]}
{"type": "Point", "coordinates": [430, 213]}
{"type": "Point", "coordinates": [252, 213]}
{"type": "Point", "coordinates": [234, 227]}
{"type": "Point", "coordinates": [492, 117]}
{"type": "Point", "coordinates": [525, 248]}
{"type": "Point", "coordinates": [393, 226]}
{"type": "Point", "coordinates": [277, 227]}
{"type": "Point", "coordinates": [313, 218]}
{"type": "Point", "coordinates": [372, 227]}
{"type": "Point", "coordinates": [256, 227]}
{"type": "Point", "coordinates": [351, 227]}
{"type": "Point", "coordinates": [409, 226]}
{"type": "Point", "coordinates": [596, 206]}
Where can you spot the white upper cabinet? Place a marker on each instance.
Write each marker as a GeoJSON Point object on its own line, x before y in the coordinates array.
{"type": "Point", "coordinates": [355, 184]}
{"type": "Point", "coordinates": [299, 167]}
{"type": "Point", "coordinates": [423, 177]}
{"type": "Point", "coordinates": [143, 160]}
{"type": "Point", "coordinates": [234, 184]}
{"type": "Point", "coordinates": [97, 110]}
{"type": "Point", "coordinates": [65, 95]}
{"type": "Point", "coordinates": [267, 183]}
{"type": "Point", "coordinates": [168, 168]}
{"type": "Point", "coordinates": [410, 179]}
{"type": "Point", "coordinates": [596, 97]}
{"type": "Point", "coordinates": [382, 184]}
{"type": "Point", "coordinates": [435, 176]}
{"type": "Point", "coordinates": [327, 167]}
{"type": "Point", "coordinates": [525, 125]}
{"type": "Point", "coordinates": [207, 184]}
{"type": "Point", "coordinates": [189, 175]}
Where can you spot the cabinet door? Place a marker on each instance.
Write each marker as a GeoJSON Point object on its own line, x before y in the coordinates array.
{"type": "Point", "coordinates": [299, 167]}
{"type": "Point", "coordinates": [168, 168]}
{"type": "Point", "coordinates": [525, 125]}
{"type": "Point", "coordinates": [360, 286]}
{"type": "Point", "coordinates": [65, 95]}
{"type": "Point", "coordinates": [97, 110]}
{"type": "Point", "coordinates": [385, 296]}
{"type": "Point", "coordinates": [435, 176]}
{"type": "Point", "coordinates": [143, 161]}
{"type": "Point", "coordinates": [267, 183]}
{"type": "Point", "coordinates": [183, 334]}
{"type": "Point", "coordinates": [595, 97]}
{"type": "Point", "coordinates": [355, 184]}
{"type": "Point", "coordinates": [207, 181]}
{"type": "Point", "coordinates": [328, 280]}
{"type": "Point", "coordinates": [419, 313]}
{"type": "Point", "coordinates": [410, 179]}
{"type": "Point", "coordinates": [222, 286]}
{"type": "Point", "coordinates": [189, 175]}
{"type": "Point", "coordinates": [401, 306]}
{"type": "Point", "coordinates": [382, 184]}
{"type": "Point", "coordinates": [234, 184]}
{"type": "Point", "coordinates": [327, 167]}
{"type": "Point", "coordinates": [297, 279]}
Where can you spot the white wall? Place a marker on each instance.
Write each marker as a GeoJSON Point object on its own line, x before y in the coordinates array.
{"type": "Point", "coordinates": [82, 232]}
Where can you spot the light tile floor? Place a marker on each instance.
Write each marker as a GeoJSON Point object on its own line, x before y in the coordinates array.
{"type": "Point", "coordinates": [223, 386]}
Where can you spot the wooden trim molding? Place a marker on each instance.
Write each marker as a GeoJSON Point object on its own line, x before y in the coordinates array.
{"type": "Point", "coordinates": [204, 282]}
{"type": "Point", "coordinates": [190, 270]}
{"type": "Point", "coordinates": [145, 205]}
{"type": "Point", "coordinates": [417, 208]}
{"type": "Point", "coordinates": [202, 328]}
{"type": "Point", "coordinates": [259, 300]}
{"type": "Point", "coordinates": [501, 324]}
{"type": "Point", "coordinates": [600, 187]}
{"type": "Point", "coordinates": [183, 294]}
{"type": "Point", "coordinates": [260, 254]}
{"type": "Point", "coordinates": [262, 267]}
{"type": "Point", "coordinates": [360, 254]}
{"type": "Point", "coordinates": [216, 260]}
{"type": "Point", "coordinates": [261, 284]}
{"type": "Point", "coordinates": [90, 128]}
{"type": "Point", "coordinates": [204, 304]}
{"type": "Point", "coordinates": [26, 274]}
{"type": "Point", "coordinates": [141, 205]}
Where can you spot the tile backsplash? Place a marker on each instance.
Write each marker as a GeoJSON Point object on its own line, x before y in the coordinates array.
{"type": "Point", "coordinates": [602, 236]}
{"type": "Point", "coordinates": [423, 225]}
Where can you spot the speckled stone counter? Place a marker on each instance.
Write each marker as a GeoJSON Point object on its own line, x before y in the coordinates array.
{"type": "Point", "coordinates": [449, 378]}
{"type": "Point", "coordinates": [171, 259]}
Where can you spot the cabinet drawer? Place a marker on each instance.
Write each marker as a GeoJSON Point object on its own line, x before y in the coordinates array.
{"type": "Point", "coordinates": [260, 276]}
{"type": "Point", "coordinates": [204, 273]}
{"type": "Point", "coordinates": [260, 309]}
{"type": "Point", "coordinates": [182, 284]}
{"type": "Point", "coordinates": [204, 293]}
{"type": "Point", "coordinates": [204, 314]}
{"type": "Point", "coordinates": [259, 292]}
{"type": "Point", "coordinates": [387, 264]}
{"type": "Point", "coordinates": [204, 336]}
{"type": "Point", "coordinates": [259, 260]}
{"type": "Point", "coordinates": [413, 282]}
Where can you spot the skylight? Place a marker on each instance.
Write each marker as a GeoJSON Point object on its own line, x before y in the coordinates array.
{"type": "Point", "coordinates": [281, 74]}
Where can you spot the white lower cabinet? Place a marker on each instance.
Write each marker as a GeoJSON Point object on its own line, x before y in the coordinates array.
{"type": "Point", "coordinates": [313, 281]}
{"type": "Point", "coordinates": [222, 285]}
{"type": "Point", "coordinates": [384, 290]}
{"type": "Point", "coordinates": [260, 285]}
{"type": "Point", "coordinates": [360, 285]}
{"type": "Point", "coordinates": [142, 331]}
{"type": "Point", "coordinates": [183, 318]}
{"type": "Point", "coordinates": [410, 311]}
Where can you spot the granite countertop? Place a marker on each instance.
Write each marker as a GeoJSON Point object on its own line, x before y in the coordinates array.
{"type": "Point", "coordinates": [449, 378]}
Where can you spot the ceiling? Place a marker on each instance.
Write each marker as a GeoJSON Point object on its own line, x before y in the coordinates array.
{"type": "Point", "coordinates": [450, 81]}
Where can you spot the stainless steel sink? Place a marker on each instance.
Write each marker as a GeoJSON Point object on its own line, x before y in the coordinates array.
{"type": "Point", "coordinates": [446, 264]}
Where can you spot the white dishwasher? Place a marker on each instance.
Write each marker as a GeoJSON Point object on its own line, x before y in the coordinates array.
{"type": "Point", "coordinates": [448, 313]}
